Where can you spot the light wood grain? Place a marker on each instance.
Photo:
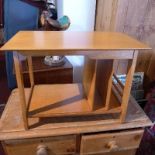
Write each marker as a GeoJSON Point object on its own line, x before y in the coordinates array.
{"type": "Point", "coordinates": [106, 15]}
{"type": "Point", "coordinates": [89, 77]}
{"type": "Point", "coordinates": [55, 145]}
{"type": "Point", "coordinates": [105, 94]}
{"type": "Point", "coordinates": [104, 71]}
{"type": "Point", "coordinates": [109, 54]}
{"type": "Point", "coordinates": [19, 78]}
{"type": "Point", "coordinates": [102, 143]}
{"type": "Point", "coordinates": [30, 67]}
{"type": "Point", "coordinates": [92, 54]}
{"type": "Point", "coordinates": [128, 84]}
{"type": "Point", "coordinates": [42, 41]}
{"type": "Point", "coordinates": [97, 82]}
{"type": "Point", "coordinates": [63, 100]}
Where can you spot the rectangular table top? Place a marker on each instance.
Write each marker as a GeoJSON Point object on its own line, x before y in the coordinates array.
{"type": "Point", "coordinates": [55, 40]}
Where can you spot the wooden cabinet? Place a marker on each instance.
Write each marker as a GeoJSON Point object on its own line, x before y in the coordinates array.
{"type": "Point", "coordinates": [97, 143]}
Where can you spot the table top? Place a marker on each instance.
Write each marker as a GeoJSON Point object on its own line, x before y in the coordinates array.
{"type": "Point", "coordinates": [55, 40]}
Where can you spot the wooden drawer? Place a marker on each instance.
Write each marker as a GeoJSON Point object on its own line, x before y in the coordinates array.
{"type": "Point", "coordinates": [126, 152]}
{"type": "Point", "coordinates": [51, 146]}
{"type": "Point", "coordinates": [110, 142]}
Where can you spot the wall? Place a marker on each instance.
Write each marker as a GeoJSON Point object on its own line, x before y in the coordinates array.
{"type": "Point", "coordinates": [134, 17]}
{"type": "Point", "coordinates": [17, 16]}
{"type": "Point", "coordinates": [81, 13]}
{"type": "Point", "coordinates": [82, 16]}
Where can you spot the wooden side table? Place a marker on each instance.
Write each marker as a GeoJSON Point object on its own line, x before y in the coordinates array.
{"type": "Point", "coordinates": [96, 116]}
{"type": "Point", "coordinates": [44, 74]}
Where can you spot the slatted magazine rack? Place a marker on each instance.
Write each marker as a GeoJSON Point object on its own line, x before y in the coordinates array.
{"type": "Point", "coordinates": [100, 93]}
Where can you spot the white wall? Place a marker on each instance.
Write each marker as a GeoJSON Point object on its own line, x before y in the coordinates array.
{"type": "Point", "coordinates": [82, 16]}
{"type": "Point", "coordinates": [80, 12]}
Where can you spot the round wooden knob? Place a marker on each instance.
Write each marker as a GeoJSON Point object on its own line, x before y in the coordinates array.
{"type": "Point", "coordinates": [112, 146]}
{"type": "Point", "coordinates": [42, 150]}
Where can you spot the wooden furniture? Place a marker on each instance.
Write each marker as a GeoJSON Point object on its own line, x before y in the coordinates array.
{"type": "Point", "coordinates": [98, 104]}
{"type": "Point", "coordinates": [71, 135]}
{"type": "Point", "coordinates": [44, 74]}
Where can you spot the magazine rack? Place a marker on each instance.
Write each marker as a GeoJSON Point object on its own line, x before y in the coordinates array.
{"type": "Point", "coordinates": [100, 93]}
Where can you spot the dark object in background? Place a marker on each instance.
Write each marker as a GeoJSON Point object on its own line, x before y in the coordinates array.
{"type": "Point", "coordinates": [148, 141]}
{"type": "Point", "coordinates": [1, 14]}
{"type": "Point", "coordinates": [44, 74]}
{"type": "Point", "coordinates": [42, 6]}
{"type": "Point", "coordinates": [39, 4]}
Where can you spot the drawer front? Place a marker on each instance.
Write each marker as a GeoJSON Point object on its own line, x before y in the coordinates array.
{"type": "Point", "coordinates": [110, 142]}
{"type": "Point", "coordinates": [126, 152]}
{"type": "Point", "coordinates": [48, 146]}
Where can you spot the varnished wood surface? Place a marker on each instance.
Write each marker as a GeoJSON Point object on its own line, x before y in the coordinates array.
{"type": "Point", "coordinates": [12, 127]}
{"type": "Point", "coordinates": [43, 40]}
{"type": "Point", "coordinates": [64, 100]}
{"type": "Point", "coordinates": [19, 79]}
{"type": "Point", "coordinates": [128, 85]}
{"type": "Point", "coordinates": [58, 99]}
{"type": "Point", "coordinates": [110, 142]}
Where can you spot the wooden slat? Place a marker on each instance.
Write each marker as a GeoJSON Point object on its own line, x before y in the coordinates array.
{"type": "Point", "coordinates": [31, 77]}
{"type": "Point", "coordinates": [128, 84]}
{"type": "Point", "coordinates": [29, 99]}
{"type": "Point", "coordinates": [103, 86]}
{"type": "Point", "coordinates": [19, 78]}
{"type": "Point", "coordinates": [119, 82]}
{"type": "Point", "coordinates": [58, 99]}
{"type": "Point", "coordinates": [98, 82]}
{"type": "Point", "coordinates": [30, 68]}
{"type": "Point", "coordinates": [109, 90]}
{"type": "Point", "coordinates": [89, 80]}
{"type": "Point", "coordinates": [124, 54]}
{"type": "Point", "coordinates": [92, 54]}
{"type": "Point", "coordinates": [38, 41]}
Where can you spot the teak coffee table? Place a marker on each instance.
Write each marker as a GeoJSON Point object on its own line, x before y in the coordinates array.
{"type": "Point", "coordinates": [100, 103]}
